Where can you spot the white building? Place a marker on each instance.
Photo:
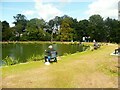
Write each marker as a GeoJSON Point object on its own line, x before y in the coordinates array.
{"type": "Point", "coordinates": [119, 10]}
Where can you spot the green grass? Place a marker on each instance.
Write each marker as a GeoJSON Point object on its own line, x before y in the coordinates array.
{"type": "Point", "coordinates": [88, 69]}
{"type": "Point", "coordinates": [53, 42]}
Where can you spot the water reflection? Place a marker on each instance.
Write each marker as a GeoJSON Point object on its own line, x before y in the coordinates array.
{"type": "Point", "coordinates": [25, 51]}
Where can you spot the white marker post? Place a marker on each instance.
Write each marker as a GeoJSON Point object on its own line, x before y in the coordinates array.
{"type": "Point", "coordinates": [47, 63]}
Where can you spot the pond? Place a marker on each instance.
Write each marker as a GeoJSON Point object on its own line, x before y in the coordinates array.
{"type": "Point", "coordinates": [23, 51]}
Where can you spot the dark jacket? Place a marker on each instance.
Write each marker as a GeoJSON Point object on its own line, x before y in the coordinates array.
{"type": "Point", "coordinates": [51, 52]}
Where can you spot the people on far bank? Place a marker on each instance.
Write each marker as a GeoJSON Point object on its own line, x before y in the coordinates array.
{"type": "Point", "coordinates": [86, 39]}
{"type": "Point", "coordinates": [96, 45]}
{"type": "Point", "coordinates": [51, 54]}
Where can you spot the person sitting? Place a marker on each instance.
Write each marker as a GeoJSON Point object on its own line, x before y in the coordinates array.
{"type": "Point", "coordinates": [51, 54]}
{"type": "Point", "coordinates": [95, 45]}
{"type": "Point", "coordinates": [117, 51]}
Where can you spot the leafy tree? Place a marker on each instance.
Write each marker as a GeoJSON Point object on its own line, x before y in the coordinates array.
{"type": "Point", "coordinates": [35, 24]}
{"type": "Point", "coordinates": [75, 27]}
{"type": "Point", "coordinates": [82, 29]}
{"type": "Point", "coordinates": [35, 29]}
{"type": "Point", "coordinates": [20, 23]}
{"type": "Point", "coordinates": [108, 28]}
{"type": "Point", "coordinates": [6, 31]}
{"type": "Point", "coordinates": [63, 28]}
{"type": "Point", "coordinates": [113, 30]}
{"type": "Point", "coordinates": [66, 32]}
{"type": "Point", "coordinates": [54, 26]}
{"type": "Point", "coordinates": [118, 33]}
{"type": "Point", "coordinates": [0, 31]}
{"type": "Point", "coordinates": [96, 27]}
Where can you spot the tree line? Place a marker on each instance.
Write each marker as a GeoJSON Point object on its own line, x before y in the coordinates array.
{"type": "Point", "coordinates": [64, 28]}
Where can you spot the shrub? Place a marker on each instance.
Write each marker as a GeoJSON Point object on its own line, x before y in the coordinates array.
{"type": "Point", "coordinates": [10, 61]}
{"type": "Point", "coordinates": [36, 58]}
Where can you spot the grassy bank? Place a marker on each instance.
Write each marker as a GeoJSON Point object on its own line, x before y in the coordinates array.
{"type": "Point", "coordinates": [38, 42]}
{"type": "Point", "coordinates": [53, 42]}
{"type": "Point", "coordinates": [89, 69]}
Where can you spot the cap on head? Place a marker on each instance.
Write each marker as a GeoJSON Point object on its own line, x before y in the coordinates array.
{"type": "Point", "coordinates": [50, 46]}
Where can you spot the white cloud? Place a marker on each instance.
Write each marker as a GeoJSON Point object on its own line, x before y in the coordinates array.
{"type": "Point", "coordinates": [43, 10]}
{"type": "Point", "coordinates": [28, 12]}
{"type": "Point", "coordinates": [46, 10]}
{"type": "Point", "coordinates": [106, 8]}
{"type": "Point", "coordinates": [11, 25]}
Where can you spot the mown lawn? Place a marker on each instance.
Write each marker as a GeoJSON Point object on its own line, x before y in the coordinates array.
{"type": "Point", "coordinates": [89, 69]}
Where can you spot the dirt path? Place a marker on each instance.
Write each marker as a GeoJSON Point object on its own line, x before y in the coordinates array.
{"type": "Point", "coordinates": [79, 70]}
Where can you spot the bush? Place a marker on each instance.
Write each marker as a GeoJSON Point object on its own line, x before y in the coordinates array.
{"type": "Point", "coordinates": [36, 58]}
{"type": "Point", "coordinates": [10, 61]}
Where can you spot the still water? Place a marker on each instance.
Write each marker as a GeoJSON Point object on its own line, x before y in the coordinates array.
{"type": "Point", "coordinates": [25, 51]}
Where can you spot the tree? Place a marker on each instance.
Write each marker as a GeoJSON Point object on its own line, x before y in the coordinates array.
{"type": "Point", "coordinates": [82, 30]}
{"type": "Point", "coordinates": [118, 33]}
{"type": "Point", "coordinates": [6, 31]}
{"type": "Point", "coordinates": [58, 23]}
{"type": "Point", "coordinates": [74, 25]}
{"type": "Point", "coordinates": [96, 27]}
{"type": "Point", "coordinates": [54, 26]}
{"type": "Point", "coordinates": [20, 23]}
{"type": "Point", "coordinates": [0, 31]}
{"type": "Point", "coordinates": [63, 28]}
{"type": "Point", "coordinates": [113, 30]}
{"type": "Point", "coordinates": [35, 29]}
{"type": "Point", "coordinates": [66, 32]}
{"type": "Point", "coordinates": [108, 24]}
{"type": "Point", "coordinates": [36, 24]}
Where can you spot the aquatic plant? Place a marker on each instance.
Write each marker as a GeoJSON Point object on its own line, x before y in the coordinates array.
{"type": "Point", "coordinates": [10, 61]}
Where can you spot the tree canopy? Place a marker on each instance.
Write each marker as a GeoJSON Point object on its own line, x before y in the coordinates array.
{"type": "Point", "coordinates": [64, 28]}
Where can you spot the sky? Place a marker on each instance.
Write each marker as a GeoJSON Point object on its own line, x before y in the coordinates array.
{"type": "Point", "coordinates": [48, 9]}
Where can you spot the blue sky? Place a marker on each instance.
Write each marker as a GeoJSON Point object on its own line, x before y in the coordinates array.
{"type": "Point", "coordinates": [80, 9]}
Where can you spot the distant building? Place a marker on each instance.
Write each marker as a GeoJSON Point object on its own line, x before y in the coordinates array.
{"type": "Point", "coordinates": [119, 10]}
